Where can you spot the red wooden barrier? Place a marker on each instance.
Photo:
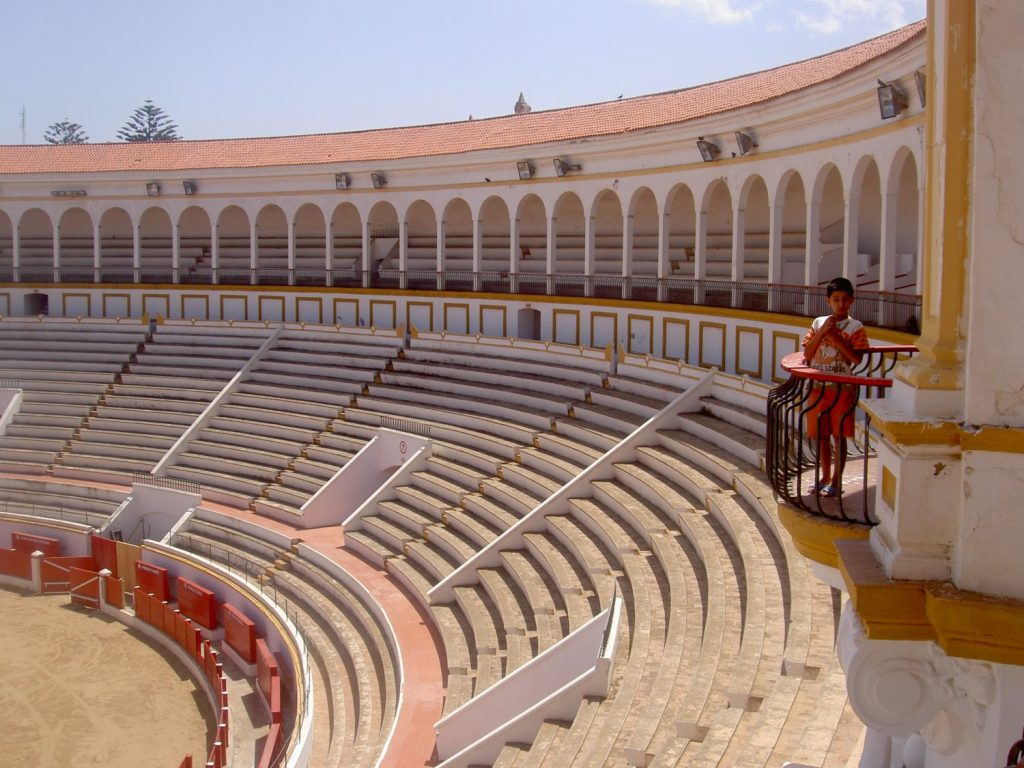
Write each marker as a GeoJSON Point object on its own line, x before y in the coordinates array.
{"type": "Point", "coordinates": [115, 591]}
{"type": "Point", "coordinates": [153, 579]}
{"type": "Point", "coordinates": [197, 603]}
{"type": "Point", "coordinates": [186, 763]}
{"type": "Point", "coordinates": [271, 745]}
{"type": "Point", "coordinates": [30, 542]}
{"type": "Point", "coordinates": [104, 552]}
{"type": "Point", "coordinates": [239, 632]}
{"type": "Point", "coordinates": [266, 667]}
{"type": "Point", "coordinates": [84, 587]}
{"type": "Point", "coordinates": [56, 571]}
{"type": "Point", "coordinates": [17, 564]}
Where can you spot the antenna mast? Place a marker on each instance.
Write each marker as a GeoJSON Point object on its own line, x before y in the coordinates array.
{"type": "Point", "coordinates": [22, 123]}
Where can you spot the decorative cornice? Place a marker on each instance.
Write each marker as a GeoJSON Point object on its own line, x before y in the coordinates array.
{"type": "Point", "coordinates": [964, 624]}
{"type": "Point", "coordinates": [815, 537]}
{"type": "Point", "coordinates": [906, 429]}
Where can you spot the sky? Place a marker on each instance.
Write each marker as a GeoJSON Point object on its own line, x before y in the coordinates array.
{"type": "Point", "coordinates": [234, 68]}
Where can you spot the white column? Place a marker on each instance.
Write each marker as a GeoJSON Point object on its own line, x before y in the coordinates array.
{"type": "Point", "coordinates": [403, 253]}
{"type": "Point", "coordinates": [254, 251]}
{"type": "Point", "coordinates": [851, 236]}
{"type": "Point", "coordinates": [739, 236]}
{"type": "Point", "coordinates": [514, 255]}
{"type": "Point", "coordinates": [552, 257]}
{"type": "Point", "coordinates": [16, 252]}
{"type": "Point", "coordinates": [775, 256]}
{"type": "Point", "coordinates": [663, 269]}
{"type": "Point", "coordinates": [588, 254]}
{"type": "Point", "coordinates": [56, 253]}
{"type": "Point", "coordinates": [440, 262]}
{"type": "Point", "coordinates": [477, 254]}
{"type": "Point", "coordinates": [97, 251]}
{"type": "Point", "coordinates": [215, 253]}
{"type": "Point", "coordinates": [291, 253]}
{"type": "Point", "coordinates": [887, 256]}
{"type": "Point", "coordinates": [329, 252]}
{"type": "Point", "coordinates": [627, 253]}
{"type": "Point", "coordinates": [136, 251]}
{"type": "Point", "coordinates": [700, 254]}
{"type": "Point", "coordinates": [367, 252]}
{"type": "Point", "coordinates": [176, 253]}
{"type": "Point", "coordinates": [813, 243]}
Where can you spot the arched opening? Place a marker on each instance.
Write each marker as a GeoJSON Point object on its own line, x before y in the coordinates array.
{"type": "Point", "coordinates": [347, 238]}
{"type": "Point", "coordinates": [568, 256]}
{"type": "Point", "coordinates": [606, 215]}
{"type": "Point", "coordinates": [233, 246]}
{"type": "Point", "coordinates": [533, 244]}
{"type": "Point", "coordinates": [753, 267]}
{"type": "Point", "coordinates": [155, 247]}
{"type": "Point", "coordinates": [907, 227]}
{"type": "Point", "coordinates": [272, 245]}
{"type": "Point", "coordinates": [717, 266]}
{"type": "Point", "coordinates": [76, 247]}
{"type": "Point", "coordinates": [681, 248]}
{"type": "Point", "coordinates": [641, 267]}
{"type": "Point", "coordinates": [423, 261]}
{"type": "Point", "coordinates": [458, 245]}
{"type": "Point", "coordinates": [752, 271]}
{"type": "Point", "coordinates": [869, 228]}
{"type": "Point", "coordinates": [495, 235]}
{"type": "Point", "coordinates": [310, 245]}
{"type": "Point", "coordinates": [117, 246]}
{"type": "Point", "coordinates": [793, 198]}
{"type": "Point", "coordinates": [831, 226]}
{"type": "Point", "coordinates": [195, 261]}
{"type": "Point", "coordinates": [383, 223]}
{"type": "Point", "coordinates": [35, 235]}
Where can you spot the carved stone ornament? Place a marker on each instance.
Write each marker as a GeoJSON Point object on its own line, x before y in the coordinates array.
{"type": "Point", "coordinates": [899, 687]}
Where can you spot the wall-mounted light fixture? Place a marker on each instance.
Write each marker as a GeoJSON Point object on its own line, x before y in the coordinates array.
{"type": "Point", "coordinates": [68, 193]}
{"type": "Point", "coordinates": [563, 167]}
{"type": "Point", "coordinates": [341, 181]}
{"type": "Point", "coordinates": [708, 150]}
{"type": "Point", "coordinates": [379, 180]}
{"type": "Point", "coordinates": [152, 189]}
{"type": "Point", "coordinates": [744, 143]}
{"type": "Point", "coordinates": [921, 83]}
{"type": "Point", "coordinates": [891, 100]}
{"type": "Point", "coordinates": [525, 168]}
{"type": "Point", "coordinates": [189, 187]}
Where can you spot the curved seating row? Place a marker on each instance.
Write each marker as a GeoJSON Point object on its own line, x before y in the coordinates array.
{"type": "Point", "coordinates": [725, 653]}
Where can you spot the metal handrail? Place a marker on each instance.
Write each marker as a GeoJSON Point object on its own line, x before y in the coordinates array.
{"type": "Point", "coordinates": [792, 458]}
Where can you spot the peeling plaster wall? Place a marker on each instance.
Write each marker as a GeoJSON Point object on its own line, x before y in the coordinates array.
{"type": "Point", "coordinates": [995, 287]}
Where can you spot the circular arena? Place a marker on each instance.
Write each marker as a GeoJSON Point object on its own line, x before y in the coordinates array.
{"type": "Point", "coordinates": [456, 445]}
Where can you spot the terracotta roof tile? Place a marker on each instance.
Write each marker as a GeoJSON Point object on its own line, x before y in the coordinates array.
{"type": "Point", "coordinates": [602, 119]}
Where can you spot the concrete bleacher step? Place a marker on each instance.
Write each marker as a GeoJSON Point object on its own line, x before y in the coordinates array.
{"type": "Point", "coordinates": [509, 434]}
{"type": "Point", "coordinates": [723, 440]}
{"type": "Point", "coordinates": [654, 391]}
{"type": "Point", "coordinates": [283, 400]}
{"type": "Point", "coordinates": [612, 419]}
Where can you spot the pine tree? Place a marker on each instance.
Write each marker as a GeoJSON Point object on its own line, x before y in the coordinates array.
{"type": "Point", "coordinates": [65, 132]}
{"type": "Point", "coordinates": [149, 123]}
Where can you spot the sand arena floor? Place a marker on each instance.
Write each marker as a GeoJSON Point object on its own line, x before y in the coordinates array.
{"type": "Point", "coordinates": [80, 689]}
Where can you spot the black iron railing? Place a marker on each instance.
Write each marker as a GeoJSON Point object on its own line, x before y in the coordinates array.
{"type": "Point", "coordinates": [899, 311]}
{"type": "Point", "coordinates": [830, 401]}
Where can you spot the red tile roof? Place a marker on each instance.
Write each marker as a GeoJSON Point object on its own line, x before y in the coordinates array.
{"type": "Point", "coordinates": [602, 119]}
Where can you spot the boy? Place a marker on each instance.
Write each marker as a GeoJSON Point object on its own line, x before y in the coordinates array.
{"type": "Point", "coordinates": [834, 344]}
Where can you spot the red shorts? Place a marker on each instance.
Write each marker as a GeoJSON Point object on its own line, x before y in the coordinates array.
{"type": "Point", "coordinates": [832, 410]}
